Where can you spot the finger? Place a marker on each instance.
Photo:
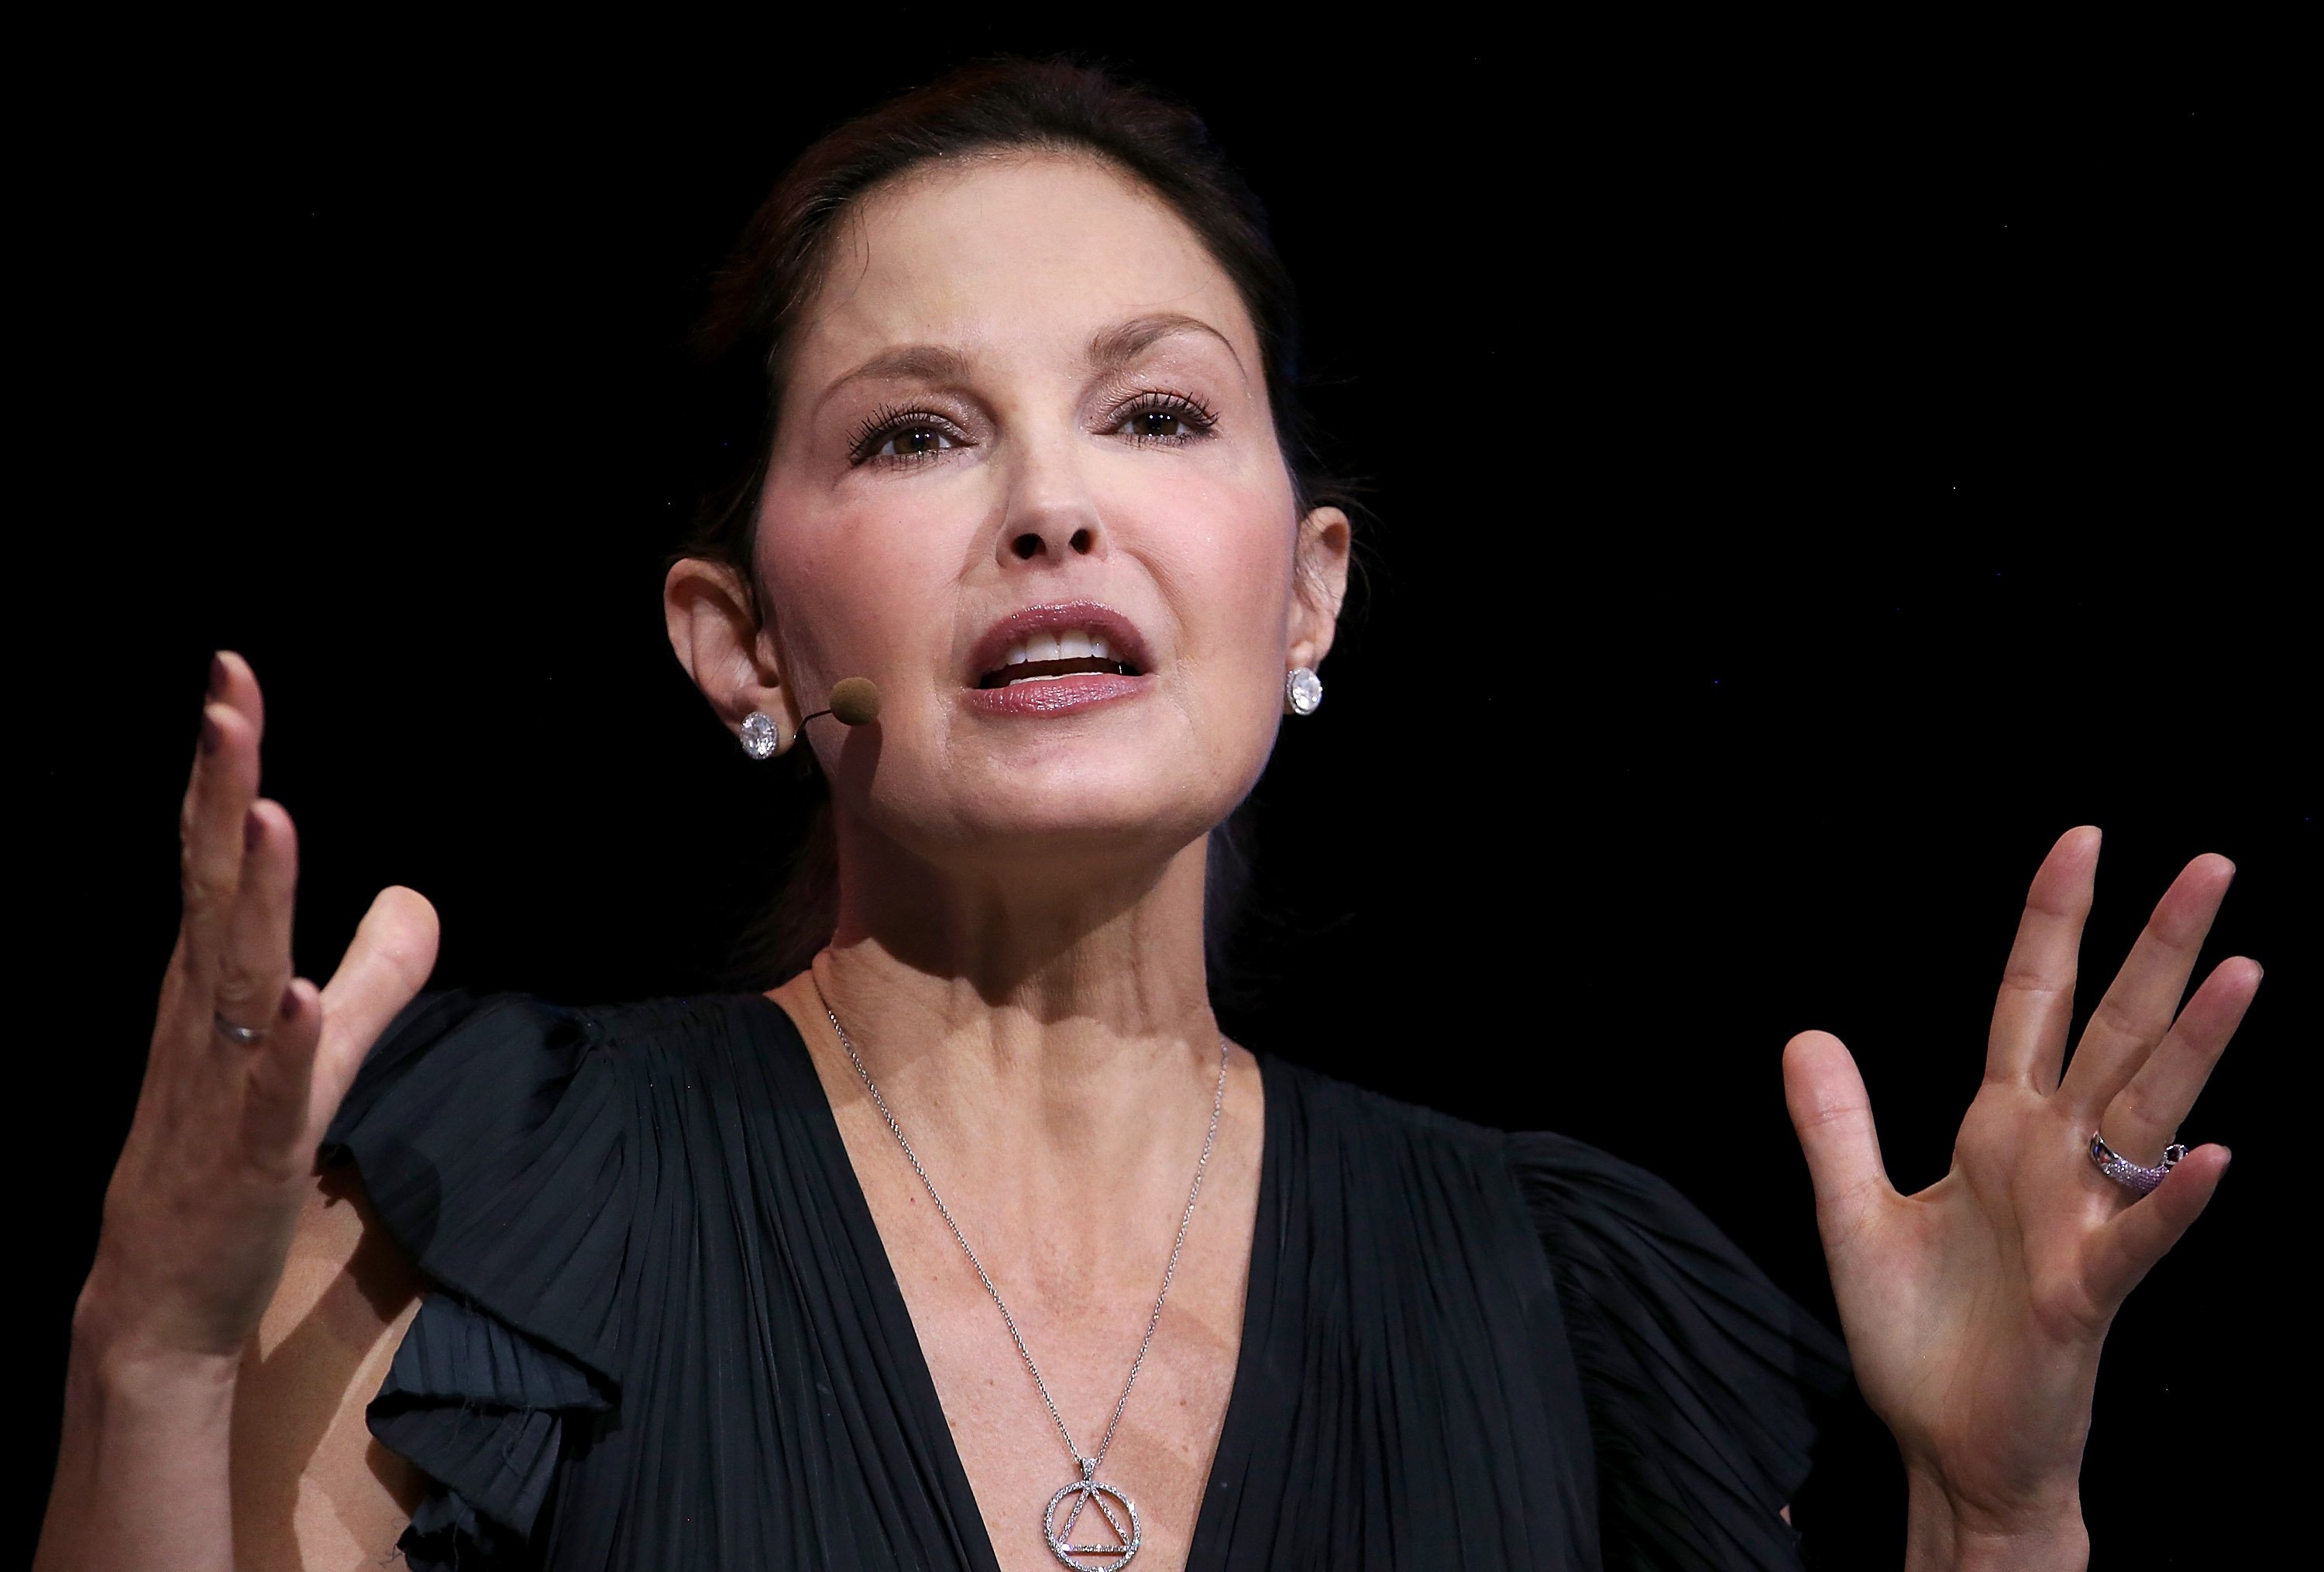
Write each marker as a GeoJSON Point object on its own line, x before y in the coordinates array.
{"type": "Point", "coordinates": [2145, 1118]}
{"type": "Point", "coordinates": [280, 1070]}
{"type": "Point", "coordinates": [2127, 1247]}
{"type": "Point", "coordinates": [2035, 1007]}
{"type": "Point", "coordinates": [2144, 994]}
{"type": "Point", "coordinates": [386, 964]}
{"type": "Point", "coordinates": [1833, 1117]}
{"type": "Point", "coordinates": [233, 683]}
{"type": "Point", "coordinates": [210, 832]}
{"type": "Point", "coordinates": [255, 965]}
{"type": "Point", "coordinates": [218, 794]}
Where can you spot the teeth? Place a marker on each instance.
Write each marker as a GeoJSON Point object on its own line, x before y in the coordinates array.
{"type": "Point", "coordinates": [1059, 645]}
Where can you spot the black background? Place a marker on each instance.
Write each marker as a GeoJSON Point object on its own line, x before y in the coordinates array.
{"type": "Point", "coordinates": [1802, 481]}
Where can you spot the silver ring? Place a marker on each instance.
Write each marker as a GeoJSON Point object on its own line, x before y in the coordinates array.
{"type": "Point", "coordinates": [2129, 1175]}
{"type": "Point", "coordinates": [245, 1035]}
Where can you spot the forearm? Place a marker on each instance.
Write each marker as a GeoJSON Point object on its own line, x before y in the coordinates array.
{"type": "Point", "coordinates": [143, 1473]}
{"type": "Point", "coordinates": [1940, 1537]}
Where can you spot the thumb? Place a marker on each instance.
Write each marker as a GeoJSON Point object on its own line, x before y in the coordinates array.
{"type": "Point", "coordinates": [386, 964]}
{"type": "Point", "coordinates": [1833, 1117]}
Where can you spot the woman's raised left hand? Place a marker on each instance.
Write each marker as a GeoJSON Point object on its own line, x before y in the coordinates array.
{"type": "Point", "coordinates": [1975, 1309]}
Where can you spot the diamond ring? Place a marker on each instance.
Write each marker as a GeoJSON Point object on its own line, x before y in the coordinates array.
{"type": "Point", "coordinates": [2132, 1176]}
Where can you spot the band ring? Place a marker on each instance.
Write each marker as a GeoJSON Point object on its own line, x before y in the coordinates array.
{"type": "Point", "coordinates": [2129, 1175]}
{"type": "Point", "coordinates": [245, 1035]}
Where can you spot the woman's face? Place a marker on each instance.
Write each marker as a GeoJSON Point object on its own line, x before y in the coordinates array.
{"type": "Point", "coordinates": [1027, 481]}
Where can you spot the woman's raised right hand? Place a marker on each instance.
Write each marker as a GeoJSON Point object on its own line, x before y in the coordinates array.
{"type": "Point", "coordinates": [221, 1151]}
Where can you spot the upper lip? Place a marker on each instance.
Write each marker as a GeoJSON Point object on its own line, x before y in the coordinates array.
{"type": "Point", "coordinates": [1121, 634]}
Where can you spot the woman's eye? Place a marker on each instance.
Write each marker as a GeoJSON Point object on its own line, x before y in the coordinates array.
{"type": "Point", "coordinates": [913, 442]}
{"type": "Point", "coordinates": [891, 437]}
{"type": "Point", "coordinates": [1165, 424]}
{"type": "Point", "coordinates": [1170, 422]}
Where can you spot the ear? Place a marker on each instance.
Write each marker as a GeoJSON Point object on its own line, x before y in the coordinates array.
{"type": "Point", "coordinates": [1319, 579]}
{"type": "Point", "coordinates": [720, 642]}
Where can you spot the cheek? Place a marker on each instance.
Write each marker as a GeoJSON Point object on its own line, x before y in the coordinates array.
{"type": "Point", "coordinates": [855, 589]}
{"type": "Point", "coordinates": [1221, 549]}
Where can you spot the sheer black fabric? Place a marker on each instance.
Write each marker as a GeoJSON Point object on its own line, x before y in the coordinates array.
{"type": "Point", "coordinates": [665, 1333]}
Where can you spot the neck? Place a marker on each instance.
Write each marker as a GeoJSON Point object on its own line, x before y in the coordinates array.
{"type": "Point", "coordinates": [1053, 1027]}
{"type": "Point", "coordinates": [1065, 956]}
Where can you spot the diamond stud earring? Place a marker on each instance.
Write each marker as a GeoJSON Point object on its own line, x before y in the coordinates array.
{"type": "Point", "coordinates": [1303, 691]}
{"type": "Point", "coordinates": [760, 736]}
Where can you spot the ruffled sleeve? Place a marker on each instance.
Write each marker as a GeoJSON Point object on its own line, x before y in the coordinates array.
{"type": "Point", "coordinates": [1701, 1379]}
{"type": "Point", "coordinates": [489, 1133]}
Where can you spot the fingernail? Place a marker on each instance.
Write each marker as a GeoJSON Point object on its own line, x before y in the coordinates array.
{"type": "Point", "coordinates": [210, 734]}
{"type": "Point", "coordinates": [217, 675]}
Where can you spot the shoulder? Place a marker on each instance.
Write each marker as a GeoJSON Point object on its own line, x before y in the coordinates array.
{"type": "Point", "coordinates": [1577, 1191]}
{"type": "Point", "coordinates": [1418, 1187]}
{"type": "Point", "coordinates": [1634, 1256]}
{"type": "Point", "coordinates": [1705, 1383]}
{"type": "Point", "coordinates": [461, 1022]}
{"type": "Point", "coordinates": [1323, 1102]}
{"type": "Point", "coordinates": [508, 1144]}
{"type": "Point", "coordinates": [1591, 1213]}
{"type": "Point", "coordinates": [1701, 1380]}
{"type": "Point", "coordinates": [503, 1138]}
{"type": "Point", "coordinates": [496, 1062]}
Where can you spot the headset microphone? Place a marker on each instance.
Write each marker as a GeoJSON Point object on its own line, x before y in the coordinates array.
{"type": "Point", "coordinates": [855, 701]}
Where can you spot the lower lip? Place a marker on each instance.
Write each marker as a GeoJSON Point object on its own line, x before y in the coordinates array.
{"type": "Point", "coordinates": [1056, 695]}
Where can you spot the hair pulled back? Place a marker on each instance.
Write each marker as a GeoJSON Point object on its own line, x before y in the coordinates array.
{"type": "Point", "coordinates": [761, 296]}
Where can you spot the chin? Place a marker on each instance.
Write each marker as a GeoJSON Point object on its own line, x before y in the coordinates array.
{"type": "Point", "coordinates": [1062, 820]}
{"type": "Point", "coordinates": [1060, 797]}
{"type": "Point", "coordinates": [1087, 829]}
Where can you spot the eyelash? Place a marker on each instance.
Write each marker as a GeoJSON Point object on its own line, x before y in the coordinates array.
{"type": "Point", "coordinates": [888, 423]}
{"type": "Point", "coordinates": [1190, 412]}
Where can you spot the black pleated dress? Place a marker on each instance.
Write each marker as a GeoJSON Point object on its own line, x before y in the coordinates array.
{"type": "Point", "coordinates": [664, 1333]}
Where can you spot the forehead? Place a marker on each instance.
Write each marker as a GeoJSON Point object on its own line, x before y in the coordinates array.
{"type": "Point", "coordinates": [1008, 253]}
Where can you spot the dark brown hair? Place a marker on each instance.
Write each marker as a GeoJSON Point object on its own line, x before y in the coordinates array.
{"type": "Point", "coordinates": [762, 292]}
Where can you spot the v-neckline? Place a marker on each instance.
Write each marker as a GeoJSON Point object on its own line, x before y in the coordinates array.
{"type": "Point", "coordinates": [895, 1317]}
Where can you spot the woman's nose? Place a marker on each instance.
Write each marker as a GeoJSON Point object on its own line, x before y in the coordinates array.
{"type": "Point", "coordinates": [1051, 518]}
{"type": "Point", "coordinates": [1060, 538]}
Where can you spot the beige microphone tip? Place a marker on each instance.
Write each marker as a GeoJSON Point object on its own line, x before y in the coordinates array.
{"type": "Point", "coordinates": [855, 701]}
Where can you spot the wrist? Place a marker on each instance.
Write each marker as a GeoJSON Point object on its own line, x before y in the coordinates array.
{"type": "Point", "coordinates": [117, 1350]}
{"type": "Point", "coordinates": [1948, 1533]}
{"type": "Point", "coordinates": [143, 1472]}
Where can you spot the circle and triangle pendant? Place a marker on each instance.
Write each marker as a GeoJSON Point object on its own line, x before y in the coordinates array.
{"type": "Point", "coordinates": [1092, 1541]}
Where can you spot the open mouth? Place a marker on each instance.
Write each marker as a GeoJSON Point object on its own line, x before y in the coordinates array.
{"type": "Point", "coordinates": [1054, 653]}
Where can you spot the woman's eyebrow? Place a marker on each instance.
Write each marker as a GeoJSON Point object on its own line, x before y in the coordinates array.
{"type": "Point", "coordinates": [909, 362]}
{"type": "Point", "coordinates": [1112, 349]}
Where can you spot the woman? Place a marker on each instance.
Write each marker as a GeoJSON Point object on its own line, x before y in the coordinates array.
{"type": "Point", "coordinates": [972, 1244]}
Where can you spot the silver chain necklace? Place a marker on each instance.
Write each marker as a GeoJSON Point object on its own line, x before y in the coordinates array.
{"type": "Point", "coordinates": [1085, 1491]}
